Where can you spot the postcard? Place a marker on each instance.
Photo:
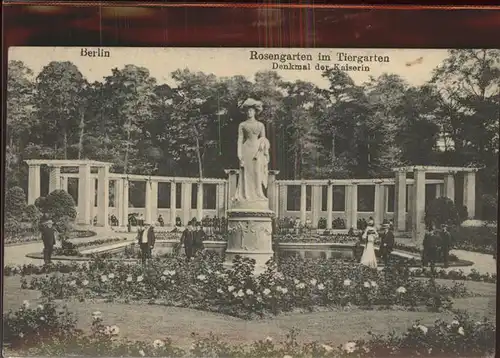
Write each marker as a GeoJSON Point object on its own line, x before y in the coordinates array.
{"type": "Point", "coordinates": [251, 202]}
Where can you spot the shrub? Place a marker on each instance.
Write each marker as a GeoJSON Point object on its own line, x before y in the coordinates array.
{"type": "Point", "coordinates": [40, 203]}
{"type": "Point", "coordinates": [12, 226]}
{"type": "Point", "coordinates": [204, 284]}
{"type": "Point", "coordinates": [59, 204]}
{"type": "Point", "coordinates": [32, 215]}
{"type": "Point", "coordinates": [490, 207]}
{"type": "Point", "coordinates": [479, 239]}
{"type": "Point", "coordinates": [28, 327]}
{"type": "Point", "coordinates": [462, 337]}
{"type": "Point", "coordinates": [463, 213]}
{"type": "Point", "coordinates": [441, 211]}
{"type": "Point", "coordinates": [338, 224]}
{"type": "Point", "coordinates": [15, 203]}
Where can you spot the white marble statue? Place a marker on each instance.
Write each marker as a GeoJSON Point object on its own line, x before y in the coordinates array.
{"type": "Point", "coordinates": [253, 154]}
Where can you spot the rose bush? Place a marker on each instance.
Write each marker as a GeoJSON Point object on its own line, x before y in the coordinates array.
{"type": "Point", "coordinates": [204, 284]}
{"type": "Point", "coordinates": [461, 337]}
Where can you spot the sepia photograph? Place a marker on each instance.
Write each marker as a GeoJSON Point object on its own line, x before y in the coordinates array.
{"type": "Point", "coordinates": [251, 202]}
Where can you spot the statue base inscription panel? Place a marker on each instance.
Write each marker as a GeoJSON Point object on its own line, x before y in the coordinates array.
{"type": "Point", "coordinates": [250, 235]}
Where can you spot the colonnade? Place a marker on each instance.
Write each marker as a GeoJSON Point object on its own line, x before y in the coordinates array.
{"type": "Point", "coordinates": [409, 194]}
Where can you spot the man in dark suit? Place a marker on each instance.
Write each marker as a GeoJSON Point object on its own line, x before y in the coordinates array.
{"type": "Point", "coordinates": [430, 246]}
{"type": "Point", "coordinates": [386, 242]}
{"type": "Point", "coordinates": [187, 239]}
{"type": "Point", "coordinates": [446, 244]}
{"type": "Point", "coordinates": [146, 239]}
{"type": "Point", "coordinates": [199, 237]}
{"type": "Point", "coordinates": [49, 240]}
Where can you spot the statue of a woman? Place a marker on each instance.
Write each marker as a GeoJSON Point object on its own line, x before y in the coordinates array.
{"type": "Point", "coordinates": [253, 153]}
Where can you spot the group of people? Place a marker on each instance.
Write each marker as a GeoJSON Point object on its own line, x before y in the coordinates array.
{"type": "Point", "coordinates": [370, 235]}
{"type": "Point", "coordinates": [191, 239]}
{"type": "Point", "coordinates": [436, 246]}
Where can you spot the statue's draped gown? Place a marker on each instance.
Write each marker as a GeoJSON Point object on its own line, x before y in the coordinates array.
{"type": "Point", "coordinates": [253, 149]}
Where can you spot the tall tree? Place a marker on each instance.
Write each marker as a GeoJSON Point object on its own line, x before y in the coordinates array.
{"type": "Point", "coordinates": [298, 124]}
{"type": "Point", "coordinates": [343, 126]}
{"type": "Point", "coordinates": [194, 111]}
{"type": "Point", "coordinates": [59, 98]}
{"type": "Point", "coordinates": [469, 83]}
{"type": "Point", "coordinates": [127, 110]}
{"type": "Point", "coordinates": [20, 114]}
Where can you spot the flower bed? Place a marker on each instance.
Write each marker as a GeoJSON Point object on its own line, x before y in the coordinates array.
{"type": "Point", "coordinates": [316, 238]}
{"type": "Point", "coordinates": [30, 269]}
{"type": "Point", "coordinates": [70, 249]}
{"type": "Point", "coordinates": [481, 239]}
{"type": "Point", "coordinates": [43, 331]}
{"type": "Point", "coordinates": [30, 236]}
{"type": "Point", "coordinates": [205, 284]}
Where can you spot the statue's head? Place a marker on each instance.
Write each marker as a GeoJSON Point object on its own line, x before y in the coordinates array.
{"type": "Point", "coordinates": [252, 107]}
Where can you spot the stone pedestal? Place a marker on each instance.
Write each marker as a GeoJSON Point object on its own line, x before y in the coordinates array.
{"type": "Point", "coordinates": [250, 235]}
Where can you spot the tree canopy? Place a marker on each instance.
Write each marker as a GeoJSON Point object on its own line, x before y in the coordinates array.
{"type": "Point", "coordinates": [189, 129]}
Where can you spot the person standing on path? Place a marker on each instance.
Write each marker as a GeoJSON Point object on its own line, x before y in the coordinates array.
{"type": "Point", "coordinates": [49, 240]}
{"type": "Point", "coordinates": [386, 243]}
{"type": "Point", "coordinates": [199, 237]}
{"type": "Point", "coordinates": [370, 235]}
{"type": "Point", "coordinates": [187, 239]}
{"type": "Point", "coordinates": [146, 238]}
{"type": "Point", "coordinates": [430, 247]}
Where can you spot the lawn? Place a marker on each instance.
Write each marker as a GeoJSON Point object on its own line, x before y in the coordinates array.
{"type": "Point", "coordinates": [148, 322]}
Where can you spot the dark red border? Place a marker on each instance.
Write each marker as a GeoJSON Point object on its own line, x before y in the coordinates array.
{"type": "Point", "coordinates": [227, 24]}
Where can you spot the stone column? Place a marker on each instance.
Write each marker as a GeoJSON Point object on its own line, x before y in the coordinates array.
{"type": "Point", "coordinates": [272, 191]}
{"type": "Point", "coordinates": [316, 200]}
{"type": "Point", "coordinates": [410, 207]}
{"type": "Point", "coordinates": [283, 200]}
{"type": "Point", "coordinates": [151, 202]}
{"type": "Point", "coordinates": [84, 199]}
{"type": "Point", "coordinates": [449, 186]}
{"type": "Point", "coordinates": [438, 191]}
{"type": "Point", "coordinates": [329, 206]}
{"type": "Point", "coordinates": [470, 194]}
{"type": "Point", "coordinates": [351, 206]}
{"type": "Point", "coordinates": [400, 201]}
{"type": "Point", "coordinates": [232, 182]}
{"type": "Point", "coordinates": [118, 202]}
{"type": "Point", "coordinates": [186, 203]}
{"type": "Point", "coordinates": [94, 192]}
{"type": "Point", "coordinates": [303, 203]}
{"type": "Point", "coordinates": [33, 183]}
{"type": "Point", "coordinates": [124, 202]}
{"type": "Point", "coordinates": [199, 201]}
{"type": "Point", "coordinates": [173, 203]}
{"type": "Point", "coordinates": [54, 178]}
{"type": "Point", "coordinates": [154, 202]}
{"type": "Point", "coordinates": [103, 196]}
{"type": "Point", "coordinates": [378, 205]}
{"type": "Point", "coordinates": [418, 223]}
{"type": "Point", "coordinates": [220, 205]}
{"type": "Point", "coordinates": [64, 183]}
{"type": "Point", "coordinates": [354, 206]}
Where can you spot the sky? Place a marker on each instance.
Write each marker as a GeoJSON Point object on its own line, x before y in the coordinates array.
{"type": "Point", "coordinates": [414, 65]}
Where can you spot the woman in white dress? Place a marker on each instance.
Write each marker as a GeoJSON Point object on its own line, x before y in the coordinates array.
{"type": "Point", "coordinates": [370, 235]}
{"type": "Point", "coordinates": [253, 153]}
